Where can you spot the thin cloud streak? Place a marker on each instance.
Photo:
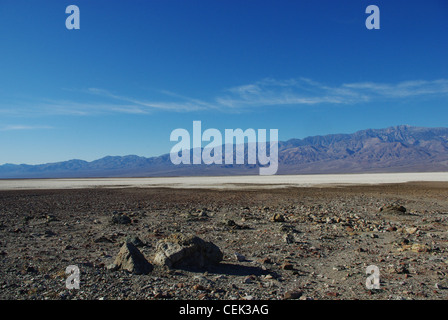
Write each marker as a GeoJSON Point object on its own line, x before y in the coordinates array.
{"type": "Point", "coordinates": [192, 105]}
{"type": "Point", "coordinates": [303, 91]}
{"type": "Point", "coordinates": [268, 92]}
{"type": "Point", "coordinates": [23, 127]}
{"type": "Point", "coordinates": [402, 89]}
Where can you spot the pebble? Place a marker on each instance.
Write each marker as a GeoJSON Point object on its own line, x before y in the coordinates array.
{"type": "Point", "coordinates": [287, 266]}
{"type": "Point", "coordinates": [239, 257]}
{"type": "Point", "coordinates": [292, 295]}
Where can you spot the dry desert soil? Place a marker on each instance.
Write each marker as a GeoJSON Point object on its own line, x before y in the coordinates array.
{"type": "Point", "coordinates": [287, 243]}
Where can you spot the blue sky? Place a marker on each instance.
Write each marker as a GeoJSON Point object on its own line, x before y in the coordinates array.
{"type": "Point", "coordinates": [136, 70]}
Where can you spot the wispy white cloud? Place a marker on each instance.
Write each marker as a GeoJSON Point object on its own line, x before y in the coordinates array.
{"type": "Point", "coordinates": [23, 127]}
{"type": "Point", "coordinates": [186, 104]}
{"type": "Point", "coordinates": [401, 89]}
{"type": "Point", "coordinates": [303, 91]}
{"type": "Point", "coordinates": [263, 93]}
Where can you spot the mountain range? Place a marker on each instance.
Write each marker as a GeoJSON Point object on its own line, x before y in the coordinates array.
{"type": "Point", "coordinates": [396, 149]}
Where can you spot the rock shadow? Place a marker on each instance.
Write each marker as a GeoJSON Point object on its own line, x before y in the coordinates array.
{"type": "Point", "coordinates": [229, 269]}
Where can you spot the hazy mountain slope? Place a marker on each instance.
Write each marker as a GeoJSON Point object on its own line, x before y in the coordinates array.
{"type": "Point", "coordinates": [395, 149]}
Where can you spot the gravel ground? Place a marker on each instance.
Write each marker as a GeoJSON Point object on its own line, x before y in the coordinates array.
{"type": "Point", "coordinates": [293, 243]}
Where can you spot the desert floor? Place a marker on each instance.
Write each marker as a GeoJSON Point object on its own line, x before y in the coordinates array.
{"type": "Point", "coordinates": [319, 245]}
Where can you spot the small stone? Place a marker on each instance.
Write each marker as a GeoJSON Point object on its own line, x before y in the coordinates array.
{"type": "Point", "coordinates": [50, 218]}
{"type": "Point", "coordinates": [121, 219]}
{"type": "Point", "coordinates": [158, 295]}
{"type": "Point", "coordinates": [231, 223]}
{"type": "Point", "coordinates": [401, 270]}
{"type": "Point", "coordinates": [248, 280]}
{"type": "Point", "coordinates": [338, 268]}
{"type": "Point", "coordinates": [332, 294]}
{"type": "Point", "coordinates": [416, 247]}
{"type": "Point", "coordinates": [289, 238]}
{"type": "Point", "coordinates": [292, 295]}
{"type": "Point", "coordinates": [198, 287]}
{"type": "Point", "coordinates": [239, 257]}
{"type": "Point", "coordinates": [135, 241]}
{"type": "Point", "coordinates": [287, 266]}
{"type": "Point", "coordinates": [277, 217]}
{"type": "Point", "coordinates": [265, 260]}
{"type": "Point", "coordinates": [49, 233]}
{"type": "Point", "coordinates": [439, 286]}
{"type": "Point", "coordinates": [112, 267]}
{"type": "Point", "coordinates": [203, 214]}
{"type": "Point", "coordinates": [393, 208]}
{"type": "Point", "coordinates": [31, 269]}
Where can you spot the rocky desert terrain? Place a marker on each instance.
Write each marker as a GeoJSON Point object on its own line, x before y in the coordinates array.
{"type": "Point", "coordinates": [308, 243]}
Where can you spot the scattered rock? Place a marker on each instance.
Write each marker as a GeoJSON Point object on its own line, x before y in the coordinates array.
{"type": "Point", "coordinates": [30, 269]}
{"type": "Point", "coordinates": [49, 233]}
{"type": "Point", "coordinates": [440, 286]}
{"type": "Point", "coordinates": [393, 209]}
{"type": "Point", "coordinates": [178, 251]}
{"type": "Point", "coordinates": [120, 219]}
{"type": "Point", "coordinates": [131, 259]}
{"type": "Point", "coordinates": [411, 230]}
{"type": "Point", "coordinates": [417, 247]}
{"type": "Point", "coordinates": [50, 218]}
{"type": "Point", "coordinates": [112, 267]}
{"type": "Point", "coordinates": [233, 225]}
{"type": "Point", "coordinates": [289, 238]}
{"type": "Point", "coordinates": [401, 269]}
{"type": "Point", "coordinates": [203, 214]}
{"type": "Point", "coordinates": [287, 266]}
{"type": "Point", "coordinates": [135, 241]}
{"type": "Point", "coordinates": [292, 295]}
{"type": "Point", "coordinates": [277, 217]}
{"type": "Point", "coordinates": [198, 287]}
{"type": "Point", "coordinates": [249, 279]}
{"type": "Point", "coordinates": [239, 257]}
{"type": "Point", "coordinates": [265, 260]}
{"type": "Point", "coordinates": [332, 294]}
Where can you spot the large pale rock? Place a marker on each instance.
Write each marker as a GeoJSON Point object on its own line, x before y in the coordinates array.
{"type": "Point", "coordinates": [183, 251]}
{"type": "Point", "coordinates": [131, 259]}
